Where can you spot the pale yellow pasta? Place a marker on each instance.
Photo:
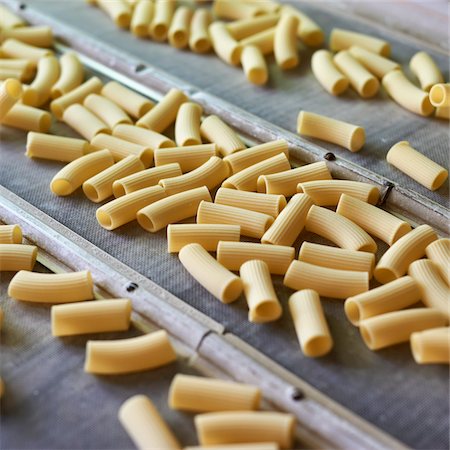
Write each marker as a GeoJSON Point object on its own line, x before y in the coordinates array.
{"type": "Point", "coordinates": [213, 276]}
{"type": "Point", "coordinates": [39, 36]}
{"type": "Point", "coordinates": [106, 110]}
{"type": "Point", "coordinates": [187, 124]}
{"type": "Point", "coordinates": [439, 252]}
{"type": "Point", "coordinates": [235, 427]}
{"type": "Point", "coordinates": [17, 74]}
{"type": "Point", "coordinates": [145, 426]}
{"type": "Point", "coordinates": [141, 18]}
{"type": "Point", "coordinates": [440, 95]}
{"type": "Point", "coordinates": [241, 29]}
{"type": "Point", "coordinates": [144, 179]}
{"type": "Point", "coordinates": [264, 203]}
{"type": "Point", "coordinates": [396, 327]}
{"type": "Point", "coordinates": [51, 288]}
{"type": "Point", "coordinates": [226, 9]}
{"type": "Point", "coordinates": [123, 210]}
{"type": "Point", "coordinates": [91, 317]}
{"type": "Point", "coordinates": [393, 296]}
{"type": "Point", "coordinates": [12, 48]}
{"type": "Point", "coordinates": [375, 221]}
{"type": "Point", "coordinates": [24, 69]}
{"type": "Point", "coordinates": [172, 209]}
{"type": "Point", "coordinates": [76, 95]}
{"type": "Point", "coordinates": [74, 174]}
{"type": "Point", "coordinates": [373, 62]}
{"type": "Point", "coordinates": [189, 157]}
{"type": "Point", "coordinates": [337, 258]}
{"type": "Point", "coordinates": [129, 355]}
{"type": "Point", "coordinates": [10, 234]}
{"type": "Point", "coordinates": [267, 6]}
{"type": "Point", "coordinates": [277, 257]}
{"type": "Point", "coordinates": [364, 83]}
{"type": "Point", "coordinates": [327, 74]}
{"type": "Point", "coordinates": [10, 20]}
{"type": "Point", "coordinates": [10, 93]}
{"type": "Point", "coordinates": [15, 257]}
{"type": "Point", "coordinates": [164, 113]}
{"type": "Point", "coordinates": [71, 75]}
{"type": "Point", "coordinates": [352, 137]}
{"type": "Point", "coordinates": [264, 40]}
{"type": "Point", "coordinates": [308, 30]}
{"type": "Point", "coordinates": [38, 92]}
{"type": "Point", "coordinates": [416, 165]}
{"type": "Point", "coordinates": [199, 40]}
{"type": "Point", "coordinates": [118, 10]}
{"type": "Point", "coordinates": [341, 39]}
{"type": "Point", "coordinates": [162, 18]}
{"type": "Point", "coordinates": [426, 70]}
{"type": "Point", "coordinates": [285, 42]}
{"type": "Point", "coordinates": [84, 122]}
{"type": "Point", "coordinates": [338, 229]}
{"type": "Point", "coordinates": [245, 158]}
{"type": "Point", "coordinates": [225, 46]}
{"type": "Point", "coordinates": [431, 346]}
{"type": "Point", "coordinates": [443, 112]}
{"type": "Point", "coordinates": [179, 28]}
{"type": "Point", "coordinates": [262, 300]}
{"type": "Point", "coordinates": [199, 394]}
{"type": "Point", "coordinates": [57, 148]}
{"type": "Point", "coordinates": [258, 446]}
{"type": "Point", "coordinates": [141, 136]}
{"type": "Point", "coordinates": [131, 102]}
{"type": "Point", "coordinates": [254, 65]}
{"type": "Point", "coordinates": [407, 94]}
{"type": "Point", "coordinates": [28, 118]}
{"type": "Point", "coordinates": [253, 224]}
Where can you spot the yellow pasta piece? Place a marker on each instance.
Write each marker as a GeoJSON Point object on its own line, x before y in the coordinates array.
{"type": "Point", "coordinates": [10, 234]}
{"type": "Point", "coordinates": [106, 110]}
{"type": "Point", "coordinates": [91, 317]}
{"type": "Point", "coordinates": [364, 83]}
{"type": "Point", "coordinates": [341, 39]}
{"type": "Point", "coordinates": [407, 94]}
{"type": "Point", "coordinates": [15, 257]}
{"type": "Point", "coordinates": [395, 262]}
{"type": "Point", "coordinates": [234, 427]}
{"type": "Point", "coordinates": [189, 157]}
{"type": "Point", "coordinates": [187, 124]}
{"type": "Point", "coordinates": [443, 112]}
{"type": "Point", "coordinates": [16, 74]}
{"type": "Point", "coordinates": [84, 122]}
{"type": "Point", "coordinates": [199, 40]}
{"type": "Point", "coordinates": [439, 252]}
{"type": "Point", "coordinates": [226, 9]}
{"type": "Point", "coordinates": [142, 136]}
{"type": "Point", "coordinates": [398, 326]}
{"type": "Point", "coordinates": [285, 42]}
{"type": "Point", "coordinates": [71, 75]}
{"type": "Point", "coordinates": [179, 28]}
{"type": "Point", "coordinates": [338, 229]}
{"type": "Point", "coordinates": [233, 254]}
{"type": "Point", "coordinates": [440, 95]}
{"type": "Point", "coordinates": [393, 296]}
{"type": "Point", "coordinates": [26, 67]}
{"type": "Point", "coordinates": [417, 166]}
{"type": "Point", "coordinates": [375, 221]}
{"type": "Point", "coordinates": [262, 300]}
{"type": "Point", "coordinates": [12, 48]}
{"type": "Point", "coordinates": [162, 18]}
{"type": "Point", "coordinates": [215, 278]}
{"type": "Point", "coordinates": [258, 446]}
{"type": "Point", "coordinates": [431, 346]}
{"type": "Point", "coordinates": [224, 45]}
{"type": "Point", "coordinates": [28, 118]}
{"type": "Point", "coordinates": [264, 40]}
{"type": "Point", "coordinates": [327, 74]}
{"type": "Point", "coordinates": [426, 70]}
{"type": "Point", "coordinates": [253, 224]}
{"type": "Point", "coordinates": [199, 394]}
{"type": "Point", "coordinates": [308, 30]}
{"type": "Point", "coordinates": [254, 65]}
{"type": "Point", "coordinates": [141, 18]}
{"type": "Point", "coordinates": [74, 174]}
{"type": "Point", "coordinates": [118, 10]}
{"type": "Point", "coordinates": [245, 158]}
{"type": "Point", "coordinates": [172, 209]}
{"type": "Point", "coordinates": [146, 428]}
{"type": "Point", "coordinates": [241, 29]}
{"type": "Point", "coordinates": [39, 36]}
{"type": "Point", "coordinates": [10, 20]}
{"type": "Point", "coordinates": [347, 135]}
{"type": "Point", "coordinates": [267, 6]}
{"type": "Point", "coordinates": [377, 64]}
{"type": "Point", "coordinates": [163, 113]}
{"type": "Point", "coordinates": [129, 355]}
{"type": "Point", "coordinates": [10, 93]}
{"type": "Point", "coordinates": [51, 288]}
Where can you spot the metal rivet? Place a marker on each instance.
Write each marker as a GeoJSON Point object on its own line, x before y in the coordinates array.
{"type": "Point", "coordinates": [330, 156]}
{"type": "Point", "coordinates": [22, 6]}
{"type": "Point", "coordinates": [386, 193]}
{"type": "Point", "coordinates": [132, 287]}
{"type": "Point", "coordinates": [297, 394]}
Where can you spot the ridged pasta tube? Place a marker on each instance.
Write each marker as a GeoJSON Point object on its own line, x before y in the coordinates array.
{"type": "Point", "coordinates": [226, 9]}
{"type": "Point", "coordinates": [91, 317]}
{"type": "Point", "coordinates": [70, 77]}
{"type": "Point", "coordinates": [327, 74]}
{"type": "Point", "coordinates": [277, 257]}
{"type": "Point", "coordinates": [254, 65]}
{"type": "Point", "coordinates": [12, 48]}
{"type": "Point", "coordinates": [179, 28]}
{"type": "Point", "coordinates": [10, 93]}
{"type": "Point", "coordinates": [129, 355]}
{"type": "Point", "coordinates": [39, 36]}
{"type": "Point", "coordinates": [145, 426]}
{"type": "Point", "coordinates": [347, 135]}
{"type": "Point", "coordinates": [264, 40]}
{"type": "Point", "coordinates": [395, 262]}
{"type": "Point", "coordinates": [28, 118]}
{"type": "Point", "coordinates": [172, 209]}
{"type": "Point", "coordinates": [439, 252]}
{"type": "Point", "coordinates": [215, 278]}
{"type": "Point", "coordinates": [200, 394]}
{"type": "Point", "coordinates": [10, 20]}
{"type": "Point", "coordinates": [189, 158]}
{"type": "Point", "coordinates": [377, 64]}
{"type": "Point", "coordinates": [285, 42]}
{"type": "Point", "coordinates": [398, 326]}
{"type": "Point", "coordinates": [51, 288]}
{"type": "Point", "coordinates": [431, 346]}
{"type": "Point", "coordinates": [13, 73]}
{"type": "Point", "coordinates": [141, 136]}
{"type": "Point", "coordinates": [15, 257]}
{"type": "Point", "coordinates": [442, 113]}
{"type": "Point", "coordinates": [440, 95]}
{"type": "Point", "coordinates": [106, 110]}
{"type": "Point", "coordinates": [266, 6]}
{"type": "Point", "coordinates": [118, 10]}
{"type": "Point", "coordinates": [253, 224]}
{"type": "Point", "coordinates": [199, 40]}
{"type": "Point", "coordinates": [262, 300]}
{"type": "Point", "coordinates": [141, 18]}
{"type": "Point", "coordinates": [375, 221]}
{"type": "Point", "coordinates": [338, 229]}
{"type": "Point", "coordinates": [224, 45]}
{"type": "Point", "coordinates": [162, 17]}
{"type": "Point", "coordinates": [187, 124]}
{"type": "Point", "coordinates": [310, 323]}
{"type": "Point", "coordinates": [393, 296]}
{"type": "Point", "coordinates": [426, 70]}
{"type": "Point", "coordinates": [341, 39]}
{"type": "Point", "coordinates": [416, 165]}
{"type": "Point", "coordinates": [23, 69]}
{"type": "Point", "coordinates": [10, 234]}
{"type": "Point", "coordinates": [84, 122]}
{"type": "Point", "coordinates": [243, 28]}
{"type": "Point", "coordinates": [308, 30]}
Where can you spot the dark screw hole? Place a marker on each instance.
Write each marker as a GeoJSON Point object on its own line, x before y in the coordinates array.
{"type": "Point", "coordinates": [132, 287]}
{"type": "Point", "coordinates": [386, 193]}
{"type": "Point", "coordinates": [297, 394]}
{"type": "Point", "coordinates": [330, 156]}
{"type": "Point", "coordinates": [140, 68]}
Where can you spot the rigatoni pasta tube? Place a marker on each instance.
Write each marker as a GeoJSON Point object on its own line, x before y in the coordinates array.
{"type": "Point", "coordinates": [375, 221]}
{"type": "Point", "coordinates": [308, 30]}
{"type": "Point", "coordinates": [141, 18]}
{"type": "Point", "coordinates": [285, 42]}
{"type": "Point", "coordinates": [439, 252]}
{"type": "Point", "coordinates": [179, 28]}
{"type": "Point", "coordinates": [338, 229]}
{"type": "Point", "coordinates": [187, 124]}
{"type": "Point", "coordinates": [27, 68]}
{"type": "Point", "coordinates": [225, 46]}
{"type": "Point", "coordinates": [8, 19]}
{"type": "Point", "coordinates": [189, 158]}
{"type": "Point", "coordinates": [172, 209]}
{"type": "Point", "coordinates": [393, 296]}
{"type": "Point", "coordinates": [10, 234]}
{"type": "Point", "coordinates": [199, 394]}
{"type": "Point", "coordinates": [39, 36]}
{"type": "Point", "coordinates": [440, 95]}
{"type": "Point", "coordinates": [262, 300]}
{"type": "Point", "coordinates": [15, 257]}
{"type": "Point", "coordinates": [162, 18]}
{"type": "Point", "coordinates": [107, 110]}
{"type": "Point", "coordinates": [254, 65]}
{"type": "Point", "coordinates": [264, 40]}
{"type": "Point", "coordinates": [10, 94]}
{"type": "Point", "coordinates": [395, 262]}
{"type": "Point", "coordinates": [240, 29]}
{"type": "Point", "coordinates": [91, 317]}
{"type": "Point", "coordinates": [416, 165]}
{"type": "Point", "coordinates": [71, 75]}
{"type": "Point", "coordinates": [129, 355]}
{"type": "Point", "coordinates": [14, 73]}
{"type": "Point", "coordinates": [232, 427]}
{"type": "Point", "coordinates": [253, 224]}
{"type": "Point", "coordinates": [347, 135]}
{"type": "Point", "coordinates": [327, 74]}
{"type": "Point", "coordinates": [233, 254]}
{"type": "Point", "coordinates": [442, 112]}
{"type": "Point", "coordinates": [12, 48]}
{"type": "Point", "coordinates": [396, 327]}
{"type": "Point", "coordinates": [226, 9]}
{"type": "Point", "coordinates": [426, 70]}
{"type": "Point", "coordinates": [431, 346]}
{"type": "Point", "coordinates": [118, 10]}
{"type": "Point", "coordinates": [208, 235]}
{"type": "Point", "coordinates": [28, 118]}
{"type": "Point", "coordinates": [84, 122]}
{"type": "Point", "coordinates": [377, 64]}
{"type": "Point", "coordinates": [266, 6]}
{"type": "Point", "coordinates": [341, 39]}
{"type": "Point", "coordinates": [199, 40]}
{"type": "Point", "coordinates": [51, 288]}
{"type": "Point", "coordinates": [145, 426]}
{"type": "Point", "coordinates": [141, 136]}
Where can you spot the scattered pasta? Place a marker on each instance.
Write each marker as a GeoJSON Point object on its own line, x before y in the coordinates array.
{"type": "Point", "coordinates": [431, 346]}
{"type": "Point", "coordinates": [15, 257]}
